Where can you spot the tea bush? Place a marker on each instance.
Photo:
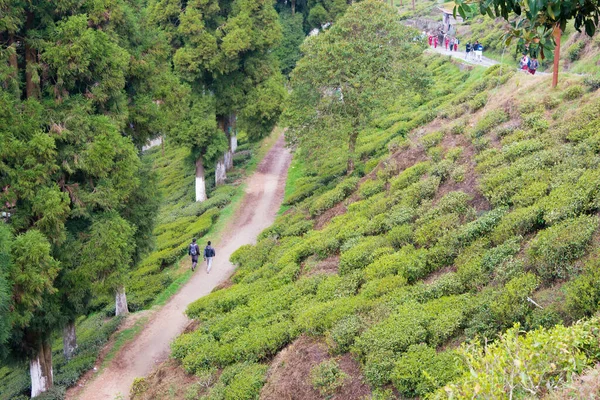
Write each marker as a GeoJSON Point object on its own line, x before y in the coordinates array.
{"type": "Point", "coordinates": [573, 92]}
{"type": "Point", "coordinates": [553, 249]}
{"type": "Point", "coordinates": [331, 198]}
{"type": "Point", "coordinates": [327, 377]}
{"type": "Point", "coordinates": [515, 365]}
{"type": "Point", "coordinates": [422, 370]}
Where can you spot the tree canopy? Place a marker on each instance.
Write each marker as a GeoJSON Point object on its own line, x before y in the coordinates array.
{"type": "Point", "coordinates": [346, 74]}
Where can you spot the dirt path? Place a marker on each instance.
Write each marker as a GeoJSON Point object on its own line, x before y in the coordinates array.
{"type": "Point", "coordinates": [485, 62]}
{"type": "Point", "coordinates": [461, 55]}
{"type": "Point", "coordinates": [264, 194]}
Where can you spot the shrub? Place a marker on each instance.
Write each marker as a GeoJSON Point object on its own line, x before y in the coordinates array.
{"type": "Point", "coordinates": [409, 263]}
{"type": "Point", "coordinates": [400, 235]}
{"type": "Point", "coordinates": [409, 176]}
{"type": "Point", "coordinates": [432, 139]}
{"type": "Point", "coordinates": [371, 187]}
{"type": "Point", "coordinates": [479, 101]}
{"type": "Point", "coordinates": [592, 81]}
{"type": "Point", "coordinates": [344, 333]}
{"type": "Point", "coordinates": [329, 199]}
{"type": "Point", "coordinates": [421, 370]}
{"type": "Point", "coordinates": [553, 249]}
{"type": "Point", "coordinates": [574, 50]}
{"type": "Point", "coordinates": [395, 334]}
{"type": "Point", "coordinates": [327, 377]}
{"type": "Point", "coordinates": [514, 364]}
{"type": "Point", "coordinates": [573, 92]}
{"type": "Point", "coordinates": [490, 120]}
{"type": "Point", "coordinates": [512, 304]}
{"type": "Point", "coordinates": [551, 102]}
{"type": "Point", "coordinates": [360, 255]}
{"type": "Point", "coordinates": [520, 221]}
{"type": "Point", "coordinates": [139, 386]}
{"type": "Point", "coordinates": [583, 292]}
{"type": "Point", "coordinates": [454, 153]}
{"type": "Point", "coordinates": [239, 382]}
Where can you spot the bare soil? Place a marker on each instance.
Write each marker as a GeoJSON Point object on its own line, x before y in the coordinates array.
{"type": "Point", "coordinates": [258, 209]}
{"type": "Point", "coordinates": [289, 375]}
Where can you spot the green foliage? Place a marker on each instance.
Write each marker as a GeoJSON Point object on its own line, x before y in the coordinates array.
{"type": "Point", "coordinates": [422, 370]}
{"type": "Point", "coordinates": [555, 248]}
{"type": "Point", "coordinates": [574, 50]}
{"type": "Point", "coordinates": [573, 92]}
{"type": "Point", "coordinates": [327, 377]}
{"type": "Point", "coordinates": [514, 364]}
{"type": "Point", "coordinates": [491, 119]}
{"type": "Point", "coordinates": [344, 333]}
{"type": "Point", "coordinates": [239, 382]}
{"type": "Point", "coordinates": [333, 97]}
{"type": "Point", "coordinates": [288, 51]}
{"type": "Point", "coordinates": [331, 198]}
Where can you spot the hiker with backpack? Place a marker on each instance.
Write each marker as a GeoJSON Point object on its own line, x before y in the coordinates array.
{"type": "Point", "coordinates": [194, 251]}
{"type": "Point", "coordinates": [209, 253]}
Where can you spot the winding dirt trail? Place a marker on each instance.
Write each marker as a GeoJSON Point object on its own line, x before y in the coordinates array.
{"type": "Point", "coordinates": [257, 211]}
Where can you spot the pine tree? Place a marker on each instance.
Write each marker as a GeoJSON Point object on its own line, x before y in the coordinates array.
{"type": "Point", "coordinates": [223, 50]}
{"type": "Point", "coordinates": [65, 165]}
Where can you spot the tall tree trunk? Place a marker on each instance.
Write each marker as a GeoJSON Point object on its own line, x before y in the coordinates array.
{"type": "Point", "coordinates": [351, 151]}
{"type": "Point", "coordinates": [293, 7]}
{"type": "Point", "coordinates": [557, 32]}
{"type": "Point", "coordinates": [200, 180]}
{"type": "Point", "coordinates": [12, 59]}
{"type": "Point", "coordinates": [31, 87]}
{"type": "Point", "coordinates": [69, 340]}
{"type": "Point", "coordinates": [220, 173]}
{"type": "Point", "coordinates": [40, 369]}
{"type": "Point", "coordinates": [226, 126]}
{"type": "Point", "coordinates": [121, 302]}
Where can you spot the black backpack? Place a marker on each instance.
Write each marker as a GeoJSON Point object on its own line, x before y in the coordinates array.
{"type": "Point", "coordinates": [210, 252]}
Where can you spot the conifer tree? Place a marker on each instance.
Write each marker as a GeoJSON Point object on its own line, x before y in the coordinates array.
{"type": "Point", "coordinates": [223, 50]}
{"type": "Point", "coordinates": [65, 165]}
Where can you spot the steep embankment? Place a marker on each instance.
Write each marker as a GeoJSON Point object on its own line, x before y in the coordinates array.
{"type": "Point", "coordinates": [261, 201]}
{"type": "Point", "coordinates": [478, 200]}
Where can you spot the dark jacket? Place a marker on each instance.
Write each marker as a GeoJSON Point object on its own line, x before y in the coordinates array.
{"type": "Point", "coordinates": [197, 250]}
{"type": "Point", "coordinates": [209, 252]}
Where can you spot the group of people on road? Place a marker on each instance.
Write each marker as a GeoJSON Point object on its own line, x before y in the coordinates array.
{"type": "Point", "coordinates": [194, 252]}
{"type": "Point", "coordinates": [475, 48]}
{"type": "Point", "coordinates": [529, 64]}
{"type": "Point", "coordinates": [451, 43]}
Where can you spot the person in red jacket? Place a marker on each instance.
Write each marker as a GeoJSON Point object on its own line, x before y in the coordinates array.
{"type": "Point", "coordinates": [447, 42]}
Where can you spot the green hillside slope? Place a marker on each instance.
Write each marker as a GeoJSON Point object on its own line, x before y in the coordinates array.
{"type": "Point", "coordinates": [484, 216]}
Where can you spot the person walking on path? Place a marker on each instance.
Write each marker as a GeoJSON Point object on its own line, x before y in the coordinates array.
{"type": "Point", "coordinates": [533, 65]}
{"type": "Point", "coordinates": [524, 63]}
{"type": "Point", "coordinates": [447, 41]}
{"type": "Point", "coordinates": [468, 49]}
{"type": "Point", "coordinates": [435, 41]}
{"type": "Point", "coordinates": [456, 42]}
{"type": "Point", "coordinates": [209, 253]}
{"type": "Point", "coordinates": [194, 251]}
{"type": "Point", "coordinates": [478, 51]}
{"type": "Point", "coordinates": [430, 40]}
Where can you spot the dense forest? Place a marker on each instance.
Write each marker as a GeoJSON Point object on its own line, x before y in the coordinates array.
{"type": "Point", "coordinates": [439, 230]}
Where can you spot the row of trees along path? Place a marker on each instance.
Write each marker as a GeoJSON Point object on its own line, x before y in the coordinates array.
{"type": "Point", "coordinates": [257, 211]}
{"type": "Point", "coordinates": [82, 88]}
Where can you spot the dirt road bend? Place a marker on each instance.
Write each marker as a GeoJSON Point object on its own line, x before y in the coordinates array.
{"type": "Point", "coordinates": [257, 211]}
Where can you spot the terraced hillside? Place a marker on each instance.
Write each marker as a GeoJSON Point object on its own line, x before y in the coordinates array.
{"type": "Point", "coordinates": [474, 208]}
